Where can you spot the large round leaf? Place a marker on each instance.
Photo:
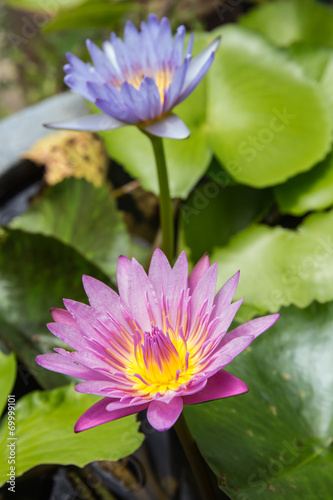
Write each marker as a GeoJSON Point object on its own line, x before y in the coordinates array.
{"type": "Point", "coordinates": [82, 216]}
{"type": "Point", "coordinates": [266, 120]}
{"type": "Point", "coordinates": [212, 206]}
{"type": "Point", "coordinates": [276, 441]}
{"type": "Point", "coordinates": [280, 266]}
{"type": "Point", "coordinates": [36, 272]}
{"type": "Point", "coordinates": [7, 377]}
{"type": "Point", "coordinates": [45, 433]}
{"type": "Point", "coordinates": [187, 159]}
{"type": "Point", "coordinates": [288, 21]}
{"type": "Point", "coordinates": [312, 190]}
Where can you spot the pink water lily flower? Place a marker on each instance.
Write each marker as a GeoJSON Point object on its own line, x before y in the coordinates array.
{"type": "Point", "coordinates": [161, 343]}
{"type": "Point", "coordinates": [138, 81]}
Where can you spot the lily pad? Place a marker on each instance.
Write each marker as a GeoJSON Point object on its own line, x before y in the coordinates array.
{"type": "Point", "coordinates": [7, 377]}
{"type": "Point", "coordinates": [288, 21]}
{"type": "Point", "coordinates": [261, 110]}
{"type": "Point", "coordinates": [280, 266]}
{"type": "Point", "coordinates": [100, 14]}
{"type": "Point", "coordinates": [85, 218]}
{"type": "Point", "coordinates": [45, 433]}
{"type": "Point", "coordinates": [213, 205]}
{"type": "Point", "coordinates": [36, 272]}
{"type": "Point", "coordinates": [312, 190]}
{"type": "Point", "coordinates": [276, 441]}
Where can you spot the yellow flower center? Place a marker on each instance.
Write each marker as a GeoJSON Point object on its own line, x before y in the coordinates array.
{"type": "Point", "coordinates": [160, 363]}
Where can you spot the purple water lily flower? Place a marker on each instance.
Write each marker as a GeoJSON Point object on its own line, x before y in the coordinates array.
{"type": "Point", "coordinates": [138, 81]}
{"type": "Point", "coordinates": [161, 343]}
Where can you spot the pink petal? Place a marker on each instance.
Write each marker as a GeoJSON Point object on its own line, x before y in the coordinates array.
{"type": "Point", "coordinates": [123, 274]}
{"type": "Point", "coordinates": [225, 320]}
{"type": "Point", "coordinates": [220, 385]}
{"type": "Point", "coordinates": [224, 355]}
{"type": "Point", "coordinates": [69, 334]}
{"type": "Point", "coordinates": [204, 291]}
{"type": "Point", "coordinates": [225, 295]}
{"type": "Point", "coordinates": [142, 293]}
{"type": "Point", "coordinates": [253, 328]}
{"type": "Point", "coordinates": [68, 366]}
{"type": "Point", "coordinates": [97, 414]}
{"type": "Point", "coordinates": [162, 416]}
{"type": "Point", "coordinates": [104, 301]}
{"type": "Point", "coordinates": [62, 316]}
{"type": "Point", "coordinates": [198, 271]}
{"type": "Point", "coordinates": [169, 282]}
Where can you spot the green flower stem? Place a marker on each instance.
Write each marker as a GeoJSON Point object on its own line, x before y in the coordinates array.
{"type": "Point", "coordinates": [166, 213]}
{"type": "Point", "coordinates": [197, 463]}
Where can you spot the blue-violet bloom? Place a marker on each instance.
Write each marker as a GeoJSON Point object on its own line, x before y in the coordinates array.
{"type": "Point", "coordinates": [138, 80]}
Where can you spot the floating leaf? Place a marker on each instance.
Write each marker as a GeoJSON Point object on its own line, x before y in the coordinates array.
{"type": "Point", "coordinates": [49, 8]}
{"type": "Point", "coordinates": [312, 190]}
{"type": "Point", "coordinates": [100, 14]}
{"type": "Point", "coordinates": [7, 377]}
{"type": "Point", "coordinates": [45, 433]}
{"type": "Point", "coordinates": [36, 272]}
{"type": "Point", "coordinates": [261, 110]}
{"type": "Point", "coordinates": [85, 218]}
{"type": "Point", "coordinates": [276, 441]}
{"type": "Point", "coordinates": [213, 213]}
{"type": "Point", "coordinates": [288, 21]}
{"type": "Point", "coordinates": [280, 266]}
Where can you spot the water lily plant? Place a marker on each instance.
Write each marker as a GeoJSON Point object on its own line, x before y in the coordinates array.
{"type": "Point", "coordinates": [161, 343]}
{"type": "Point", "coordinates": [138, 80]}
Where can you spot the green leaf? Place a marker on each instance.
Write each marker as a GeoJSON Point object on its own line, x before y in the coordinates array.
{"type": "Point", "coordinates": [36, 272]}
{"type": "Point", "coordinates": [7, 377]}
{"type": "Point", "coordinates": [212, 206]}
{"type": "Point", "coordinates": [266, 120]}
{"type": "Point", "coordinates": [187, 159]}
{"type": "Point", "coordinates": [49, 8]}
{"type": "Point", "coordinates": [280, 266]}
{"type": "Point", "coordinates": [310, 191]}
{"type": "Point", "coordinates": [288, 21]}
{"type": "Point", "coordinates": [91, 15]}
{"type": "Point", "coordinates": [85, 218]}
{"type": "Point", "coordinates": [45, 433]}
{"type": "Point", "coordinates": [276, 441]}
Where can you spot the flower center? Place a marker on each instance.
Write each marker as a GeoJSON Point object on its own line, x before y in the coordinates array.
{"type": "Point", "coordinates": [162, 77]}
{"type": "Point", "coordinates": [160, 363]}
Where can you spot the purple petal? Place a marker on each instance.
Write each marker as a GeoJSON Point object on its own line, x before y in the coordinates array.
{"type": "Point", "coordinates": [198, 271]}
{"type": "Point", "coordinates": [198, 68]}
{"type": "Point", "coordinates": [168, 282]}
{"type": "Point", "coordinates": [69, 334]}
{"type": "Point", "coordinates": [178, 46]}
{"type": "Point", "coordinates": [220, 385]}
{"type": "Point", "coordinates": [225, 295]}
{"type": "Point", "coordinates": [144, 102]}
{"type": "Point", "coordinates": [170, 127]}
{"type": "Point", "coordinates": [253, 328]}
{"type": "Point", "coordinates": [204, 291]}
{"type": "Point", "coordinates": [62, 316]}
{"type": "Point", "coordinates": [141, 294]}
{"type": "Point", "coordinates": [97, 414]}
{"type": "Point", "coordinates": [123, 274]}
{"type": "Point", "coordinates": [176, 86]}
{"type": "Point", "coordinates": [61, 364]}
{"type": "Point", "coordinates": [162, 416]}
{"type": "Point", "coordinates": [225, 319]}
{"type": "Point", "coordinates": [97, 387]}
{"type": "Point", "coordinates": [93, 123]}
